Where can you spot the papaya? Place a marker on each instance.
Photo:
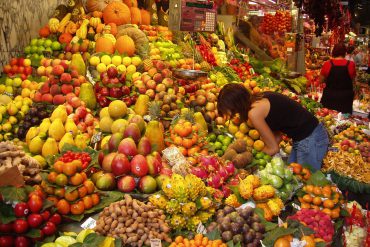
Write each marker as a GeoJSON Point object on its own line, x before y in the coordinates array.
{"type": "Point", "coordinates": [142, 104]}
{"type": "Point", "coordinates": [199, 119]}
{"type": "Point", "coordinates": [154, 132]}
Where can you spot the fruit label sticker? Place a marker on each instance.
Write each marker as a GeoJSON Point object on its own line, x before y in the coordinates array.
{"type": "Point", "coordinates": [247, 204]}
{"type": "Point", "coordinates": [201, 229]}
{"type": "Point", "coordinates": [96, 137]}
{"type": "Point", "coordinates": [90, 223]}
{"type": "Point", "coordinates": [155, 242]}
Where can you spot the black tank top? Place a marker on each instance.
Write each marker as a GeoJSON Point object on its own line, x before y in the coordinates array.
{"type": "Point", "coordinates": [289, 117]}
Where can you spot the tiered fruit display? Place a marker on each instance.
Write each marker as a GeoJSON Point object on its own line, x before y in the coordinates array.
{"type": "Point", "coordinates": [317, 221]}
{"type": "Point", "coordinates": [214, 171]}
{"type": "Point", "coordinates": [219, 143]}
{"type": "Point", "coordinates": [239, 153]}
{"type": "Point", "coordinates": [156, 32]}
{"type": "Point", "coordinates": [133, 221]}
{"type": "Point", "coordinates": [77, 47]}
{"type": "Point", "coordinates": [280, 22]}
{"type": "Point", "coordinates": [165, 50]}
{"type": "Point", "coordinates": [240, 226]}
{"type": "Point", "coordinates": [327, 198]}
{"type": "Point", "coordinates": [12, 155]}
{"type": "Point", "coordinates": [68, 188]}
{"type": "Point", "coordinates": [28, 221]}
{"type": "Point", "coordinates": [18, 66]}
{"type": "Point", "coordinates": [179, 201]}
{"type": "Point", "coordinates": [199, 240]}
{"type": "Point", "coordinates": [280, 177]}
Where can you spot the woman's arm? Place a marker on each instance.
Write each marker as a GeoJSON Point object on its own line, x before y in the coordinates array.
{"type": "Point", "coordinates": [258, 120]}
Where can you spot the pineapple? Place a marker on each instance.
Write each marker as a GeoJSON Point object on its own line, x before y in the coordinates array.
{"type": "Point", "coordinates": [246, 189]}
{"type": "Point", "coordinates": [232, 200]}
{"type": "Point", "coordinates": [189, 209]}
{"type": "Point", "coordinates": [264, 192]}
{"type": "Point", "coordinates": [195, 187]}
{"type": "Point", "coordinates": [173, 207]}
{"type": "Point", "coordinates": [177, 222]}
{"type": "Point", "coordinates": [205, 66]}
{"type": "Point", "coordinates": [158, 201]}
{"type": "Point", "coordinates": [154, 110]}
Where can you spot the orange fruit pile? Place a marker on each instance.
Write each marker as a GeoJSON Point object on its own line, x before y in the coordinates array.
{"type": "Point", "coordinates": [199, 240]}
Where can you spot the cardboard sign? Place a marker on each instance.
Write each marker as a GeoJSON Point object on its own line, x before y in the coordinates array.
{"type": "Point", "coordinates": [12, 176]}
{"type": "Point", "coordinates": [155, 242]}
{"type": "Point", "coordinates": [90, 223]}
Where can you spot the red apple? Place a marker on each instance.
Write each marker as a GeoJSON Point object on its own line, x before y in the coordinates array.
{"type": "Point", "coordinates": [120, 165]}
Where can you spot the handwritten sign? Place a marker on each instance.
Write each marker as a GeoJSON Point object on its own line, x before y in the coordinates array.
{"type": "Point", "coordinates": [90, 223]}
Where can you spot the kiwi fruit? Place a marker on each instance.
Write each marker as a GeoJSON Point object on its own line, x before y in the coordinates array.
{"type": "Point", "coordinates": [229, 154]}
{"type": "Point", "coordinates": [239, 146]}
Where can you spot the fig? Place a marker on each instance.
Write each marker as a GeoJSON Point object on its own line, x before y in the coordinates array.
{"type": "Point", "coordinates": [246, 212]}
{"type": "Point", "coordinates": [246, 228]}
{"type": "Point", "coordinates": [256, 226]}
{"type": "Point", "coordinates": [238, 239]}
{"type": "Point", "coordinates": [212, 227]}
{"type": "Point", "coordinates": [226, 226]}
{"type": "Point", "coordinates": [227, 236]}
{"type": "Point", "coordinates": [228, 209]}
{"type": "Point", "coordinates": [240, 220]}
{"type": "Point", "coordinates": [248, 237]}
{"type": "Point", "coordinates": [259, 236]}
{"type": "Point", "coordinates": [256, 218]}
{"type": "Point", "coordinates": [233, 216]}
{"type": "Point", "coordinates": [236, 228]}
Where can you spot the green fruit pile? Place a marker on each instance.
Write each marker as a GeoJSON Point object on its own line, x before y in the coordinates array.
{"type": "Point", "coordinates": [218, 143]}
{"type": "Point", "coordinates": [37, 47]}
{"type": "Point", "coordinates": [260, 159]}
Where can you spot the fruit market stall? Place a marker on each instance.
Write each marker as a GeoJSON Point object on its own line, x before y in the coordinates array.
{"type": "Point", "coordinates": [110, 136]}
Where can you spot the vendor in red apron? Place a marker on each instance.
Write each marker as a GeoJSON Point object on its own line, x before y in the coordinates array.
{"type": "Point", "coordinates": [338, 75]}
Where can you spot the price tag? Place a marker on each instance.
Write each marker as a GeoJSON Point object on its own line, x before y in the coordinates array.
{"type": "Point", "coordinates": [96, 137]}
{"type": "Point", "coordinates": [90, 223]}
{"type": "Point", "coordinates": [247, 204]}
{"type": "Point", "coordinates": [280, 221]}
{"type": "Point", "coordinates": [251, 71]}
{"type": "Point", "coordinates": [201, 229]}
{"type": "Point", "coordinates": [155, 242]}
{"type": "Point", "coordinates": [289, 49]}
{"type": "Point", "coordinates": [296, 206]}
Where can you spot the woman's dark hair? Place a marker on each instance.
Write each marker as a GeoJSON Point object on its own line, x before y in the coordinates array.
{"type": "Point", "coordinates": [339, 50]}
{"type": "Point", "coordinates": [235, 99]}
{"type": "Point", "coordinates": [350, 49]}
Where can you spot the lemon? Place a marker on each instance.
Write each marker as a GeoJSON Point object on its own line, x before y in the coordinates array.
{"type": "Point", "coordinates": [116, 60]}
{"type": "Point", "coordinates": [8, 82]}
{"type": "Point", "coordinates": [136, 61]}
{"type": "Point", "coordinates": [101, 68]}
{"type": "Point", "coordinates": [131, 69]}
{"type": "Point", "coordinates": [105, 124]}
{"type": "Point", "coordinates": [117, 109]}
{"type": "Point", "coordinates": [94, 60]}
{"type": "Point", "coordinates": [126, 61]}
{"type": "Point", "coordinates": [104, 113]}
{"type": "Point", "coordinates": [105, 59]}
{"type": "Point", "coordinates": [121, 68]}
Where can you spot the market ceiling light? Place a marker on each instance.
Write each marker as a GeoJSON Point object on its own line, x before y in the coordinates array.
{"type": "Point", "coordinates": [352, 34]}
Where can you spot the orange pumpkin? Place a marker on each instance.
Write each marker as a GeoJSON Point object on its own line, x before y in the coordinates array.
{"type": "Point", "coordinates": [44, 32]}
{"type": "Point", "coordinates": [145, 17]}
{"type": "Point", "coordinates": [113, 28]}
{"type": "Point", "coordinates": [98, 5]}
{"type": "Point", "coordinates": [65, 38]}
{"type": "Point", "coordinates": [125, 45]}
{"type": "Point", "coordinates": [130, 3]}
{"type": "Point", "coordinates": [135, 16]}
{"type": "Point", "coordinates": [117, 13]}
{"type": "Point", "coordinates": [104, 45]}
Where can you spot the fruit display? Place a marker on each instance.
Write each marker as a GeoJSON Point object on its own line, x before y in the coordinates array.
{"type": "Point", "coordinates": [133, 221]}
{"type": "Point", "coordinates": [28, 221]}
{"type": "Point", "coordinates": [165, 50]}
{"type": "Point", "coordinates": [218, 143]}
{"type": "Point", "coordinates": [239, 153]}
{"type": "Point", "coordinates": [179, 201]}
{"type": "Point", "coordinates": [199, 240]}
{"type": "Point", "coordinates": [38, 47]}
{"type": "Point", "coordinates": [318, 221]}
{"type": "Point", "coordinates": [18, 66]}
{"type": "Point", "coordinates": [241, 226]}
{"type": "Point", "coordinates": [12, 155]}
{"type": "Point", "coordinates": [156, 32]}
{"type": "Point", "coordinates": [327, 198]}
{"type": "Point", "coordinates": [299, 171]}
{"type": "Point", "coordinates": [281, 22]}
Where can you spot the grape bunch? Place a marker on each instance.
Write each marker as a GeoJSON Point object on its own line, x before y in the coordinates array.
{"type": "Point", "coordinates": [33, 118]}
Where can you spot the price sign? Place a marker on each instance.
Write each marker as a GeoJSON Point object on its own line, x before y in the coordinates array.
{"type": "Point", "coordinates": [155, 242]}
{"type": "Point", "coordinates": [96, 137]}
{"type": "Point", "coordinates": [201, 229]}
{"type": "Point", "coordinates": [90, 223]}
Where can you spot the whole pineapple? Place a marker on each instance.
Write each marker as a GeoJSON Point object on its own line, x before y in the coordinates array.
{"type": "Point", "coordinates": [148, 64]}
{"type": "Point", "coordinates": [173, 207]}
{"type": "Point", "coordinates": [179, 188]}
{"type": "Point", "coordinates": [232, 200]}
{"type": "Point", "coordinates": [158, 201]}
{"type": "Point", "coordinates": [245, 189]}
{"type": "Point", "coordinates": [177, 222]}
{"type": "Point", "coordinates": [189, 208]}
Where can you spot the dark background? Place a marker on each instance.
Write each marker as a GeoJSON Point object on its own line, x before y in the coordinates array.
{"type": "Point", "coordinates": [360, 10]}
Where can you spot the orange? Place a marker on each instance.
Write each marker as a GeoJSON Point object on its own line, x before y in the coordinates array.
{"type": "Point", "coordinates": [254, 134]}
{"type": "Point", "coordinates": [258, 145]}
{"type": "Point", "coordinates": [76, 179]}
{"type": "Point", "coordinates": [315, 207]}
{"type": "Point", "coordinates": [95, 198]}
{"type": "Point", "coordinates": [328, 203]}
{"type": "Point", "coordinates": [52, 176]}
{"type": "Point", "coordinates": [307, 198]}
{"type": "Point", "coordinates": [69, 169]}
{"type": "Point", "coordinates": [177, 140]}
{"type": "Point", "coordinates": [310, 242]}
{"type": "Point", "coordinates": [77, 208]}
{"type": "Point", "coordinates": [88, 203]}
{"type": "Point", "coordinates": [282, 242]}
{"type": "Point", "coordinates": [89, 186]}
{"type": "Point", "coordinates": [305, 205]}
{"type": "Point", "coordinates": [71, 196]}
{"type": "Point", "coordinates": [198, 237]}
{"type": "Point", "coordinates": [326, 191]}
{"type": "Point", "coordinates": [61, 180]}
{"type": "Point", "coordinates": [335, 213]}
{"type": "Point", "coordinates": [63, 207]}
{"type": "Point", "coordinates": [306, 173]}
{"type": "Point", "coordinates": [326, 211]}
{"type": "Point", "coordinates": [204, 241]}
{"type": "Point", "coordinates": [58, 166]}
{"type": "Point", "coordinates": [59, 192]}
{"type": "Point", "coordinates": [82, 191]}
{"type": "Point", "coordinates": [317, 190]}
{"type": "Point", "coordinates": [84, 176]}
{"type": "Point", "coordinates": [288, 237]}
{"type": "Point", "coordinates": [187, 143]}
{"type": "Point", "coordinates": [179, 239]}
{"type": "Point", "coordinates": [317, 201]}
{"type": "Point", "coordinates": [194, 150]}
{"type": "Point", "coordinates": [78, 164]}
{"type": "Point", "coordinates": [309, 188]}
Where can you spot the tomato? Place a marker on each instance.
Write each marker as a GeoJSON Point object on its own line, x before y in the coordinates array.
{"type": "Point", "coordinates": [21, 209]}
{"type": "Point", "coordinates": [56, 219]}
{"type": "Point", "coordinates": [6, 241]}
{"type": "Point", "coordinates": [6, 228]}
{"type": "Point", "coordinates": [34, 220]}
{"type": "Point", "coordinates": [35, 203]}
{"type": "Point", "coordinates": [22, 241]}
{"type": "Point", "coordinates": [45, 215]}
{"type": "Point", "coordinates": [20, 226]}
{"type": "Point", "coordinates": [49, 228]}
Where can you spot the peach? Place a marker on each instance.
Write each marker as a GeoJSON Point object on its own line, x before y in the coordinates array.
{"type": "Point", "coordinates": [47, 98]}
{"type": "Point", "coordinates": [59, 99]}
{"type": "Point", "coordinates": [54, 89]}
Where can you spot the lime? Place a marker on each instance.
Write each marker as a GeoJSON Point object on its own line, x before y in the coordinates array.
{"type": "Point", "coordinates": [262, 162]}
{"type": "Point", "coordinates": [212, 137]}
{"type": "Point", "coordinates": [224, 148]}
{"type": "Point", "coordinates": [220, 153]}
{"type": "Point", "coordinates": [259, 155]}
{"type": "Point", "coordinates": [217, 145]}
{"type": "Point", "coordinates": [267, 157]}
{"type": "Point", "coordinates": [220, 138]}
{"type": "Point", "coordinates": [227, 141]}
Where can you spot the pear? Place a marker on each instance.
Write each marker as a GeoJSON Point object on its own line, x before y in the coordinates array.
{"type": "Point", "coordinates": [87, 95]}
{"type": "Point", "coordinates": [45, 125]}
{"type": "Point", "coordinates": [59, 112]}
{"type": "Point", "coordinates": [80, 141]}
{"type": "Point", "coordinates": [67, 138]}
{"type": "Point", "coordinates": [56, 129]}
{"type": "Point", "coordinates": [50, 147]}
{"type": "Point", "coordinates": [71, 127]}
{"type": "Point", "coordinates": [36, 145]}
{"type": "Point", "coordinates": [31, 133]}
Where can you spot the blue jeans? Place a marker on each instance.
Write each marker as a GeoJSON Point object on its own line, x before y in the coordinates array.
{"type": "Point", "coordinates": [312, 149]}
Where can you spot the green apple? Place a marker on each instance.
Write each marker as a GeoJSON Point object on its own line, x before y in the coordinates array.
{"type": "Point", "coordinates": [94, 60]}
{"type": "Point", "coordinates": [41, 42]}
{"type": "Point", "coordinates": [34, 42]}
{"type": "Point", "coordinates": [56, 46]}
{"type": "Point", "coordinates": [40, 49]}
{"type": "Point", "coordinates": [27, 49]}
{"type": "Point", "coordinates": [8, 82]}
{"type": "Point", "coordinates": [48, 43]}
{"type": "Point", "coordinates": [34, 49]}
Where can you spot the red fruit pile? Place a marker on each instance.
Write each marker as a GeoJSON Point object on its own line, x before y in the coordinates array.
{"type": "Point", "coordinates": [317, 221]}
{"type": "Point", "coordinates": [281, 22]}
{"type": "Point", "coordinates": [207, 54]}
{"type": "Point", "coordinates": [215, 172]}
{"type": "Point", "coordinates": [18, 66]}
{"type": "Point", "coordinates": [70, 156]}
{"type": "Point", "coordinates": [83, 118]}
{"type": "Point", "coordinates": [29, 216]}
{"type": "Point", "coordinates": [243, 69]}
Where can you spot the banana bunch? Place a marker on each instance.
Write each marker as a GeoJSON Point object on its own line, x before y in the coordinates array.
{"type": "Point", "coordinates": [297, 84]}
